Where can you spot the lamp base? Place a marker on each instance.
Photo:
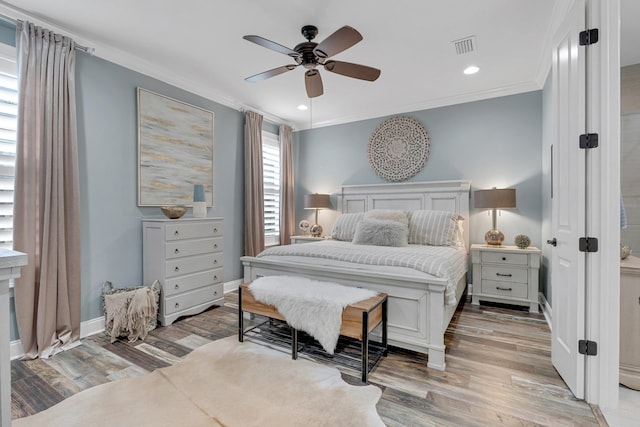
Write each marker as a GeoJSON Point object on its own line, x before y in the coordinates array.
{"type": "Point", "coordinates": [316, 230]}
{"type": "Point", "coordinates": [494, 238]}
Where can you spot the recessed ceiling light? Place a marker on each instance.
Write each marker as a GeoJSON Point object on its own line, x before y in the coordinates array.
{"type": "Point", "coordinates": [302, 107]}
{"type": "Point", "coordinates": [471, 70]}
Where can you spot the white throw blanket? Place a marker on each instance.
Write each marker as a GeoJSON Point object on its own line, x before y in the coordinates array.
{"type": "Point", "coordinates": [309, 305]}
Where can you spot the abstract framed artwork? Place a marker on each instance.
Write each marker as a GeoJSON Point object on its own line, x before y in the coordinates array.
{"type": "Point", "coordinates": [175, 150]}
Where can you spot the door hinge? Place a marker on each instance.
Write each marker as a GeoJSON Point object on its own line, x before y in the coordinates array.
{"type": "Point", "coordinates": [589, 140]}
{"type": "Point", "coordinates": [589, 348]}
{"type": "Point", "coordinates": [588, 244]}
{"type": "Point", "coordinates": [588, 37]}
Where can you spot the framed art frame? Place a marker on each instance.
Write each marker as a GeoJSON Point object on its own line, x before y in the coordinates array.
{"type": "Point", "coordinates": [175, 150]}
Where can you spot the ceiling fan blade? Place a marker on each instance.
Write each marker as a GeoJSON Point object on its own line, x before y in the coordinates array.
{"type": "Point", "coordinates": [313, 82]}
{"type": "Point", "coordinates": [356, 71]}
{"type": "Point", "coordinates": [272, 45]}
{"type": "Point", "coordinates": [271, 73]}
{"type": "Point", "coordinates": [340, 40]}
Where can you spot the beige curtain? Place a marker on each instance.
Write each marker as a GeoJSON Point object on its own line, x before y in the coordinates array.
{"type": "Point", "coordinates": [253, 186]}
{"type": "Point", "coordinates": [46, 206]}
{"type": "Point", "coordinates": [287, 209]}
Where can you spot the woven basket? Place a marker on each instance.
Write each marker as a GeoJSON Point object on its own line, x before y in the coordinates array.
{"type": "Point", "coordinates": [108, 289]}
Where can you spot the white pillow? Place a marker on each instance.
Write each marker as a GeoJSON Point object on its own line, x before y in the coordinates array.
{"type": "Point", "coordinates": [388, 215]}
{"type": "Point", "coordinates": [437, 228]}
{"type": "Point", "coordinates": [345, 226]}
{"type": "Point", "coordinates": [380, 233]}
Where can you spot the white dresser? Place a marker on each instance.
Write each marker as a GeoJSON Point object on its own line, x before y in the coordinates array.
{"type": "Point", "coordinates": [185, 255]}
{"type": "Point", "coordinates": [630, 322]}
{"type": "Point", "coordinates": [505, 274]}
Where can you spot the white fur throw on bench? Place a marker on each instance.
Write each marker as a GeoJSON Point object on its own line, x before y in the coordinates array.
{"type": "Point", "coordinates": [309, 305]}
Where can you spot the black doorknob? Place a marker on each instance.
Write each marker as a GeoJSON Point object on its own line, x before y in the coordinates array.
{"type": "Point", "coordinates": [553, 242]}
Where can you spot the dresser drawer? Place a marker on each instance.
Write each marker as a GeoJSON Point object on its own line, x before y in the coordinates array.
{"type": "Point", "coordinates": [504, 274]}
{"type": "Point", "coordinates": [505, 289]}
{"type": "Point", "coordinates": [189, 299]}
{"type": "Point", "coordinates": [191, 230]}
{"type": "Point", "coordinates": [192, 281]}
{"type": "Point", "coordinates": [180, 248]}
{"type": "Point", "coordinates": [181, 266]}
{"type": "Point", "coordinates": [504, 258]}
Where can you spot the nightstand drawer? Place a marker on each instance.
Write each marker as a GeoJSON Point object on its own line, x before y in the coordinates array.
{"type": "Point", "coordinates": [505, 289]}
{"type": "Point", "coordinates": [504, 258]}
{"type": "Point", "coordinates": [504, 274]}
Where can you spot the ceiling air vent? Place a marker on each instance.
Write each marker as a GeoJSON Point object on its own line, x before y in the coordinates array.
{"type": "Point", "coordinates": [465, 45]}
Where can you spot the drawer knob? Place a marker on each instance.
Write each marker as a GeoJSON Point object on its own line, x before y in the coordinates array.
{"type": "Point", "coordinates": [177, 305]}
{"type": "Point", "coordinates": [504, 258]}
{"type": "Point", "coordinates": [215, 230]}
{"type": "Point", "coordinates": [176, 251]}
{"type": "Point", "coordinates": [500, 288]}
{"type": "Point", "coordinates": [176, 286]}
{"type": "Point", "coordinates": [215, 261]}
{"type": "Point", "coordinates": [215, 277]}
{"type": "Point", "coordinates": [215, 246]}
{"type": "Point", "coordinates": [176, 269]}
{"type": "Point", "coordinates": [176, 233]}
{"type": "Point", "coordinates": [503, 275]}
{"type": "Point", "coordinates": [215, 293]}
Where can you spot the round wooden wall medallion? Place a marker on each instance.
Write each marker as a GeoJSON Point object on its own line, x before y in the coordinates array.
{"type": "Point", "coordinates": [398, 148]}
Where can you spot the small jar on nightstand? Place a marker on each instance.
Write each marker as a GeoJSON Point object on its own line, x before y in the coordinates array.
{"type": "Point", "coordinates": [505, 274]}
{"type": "Point", "coordinates": [306, 239]}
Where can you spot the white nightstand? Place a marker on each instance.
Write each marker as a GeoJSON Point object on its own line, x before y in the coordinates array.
{"type": "Point", "coordinates": [505, 274]}
{"type": "Point", "coordinates": [306, 239]}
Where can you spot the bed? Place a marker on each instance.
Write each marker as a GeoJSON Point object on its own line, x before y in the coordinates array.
{"type": "Point", "coordinates": [420, 304]}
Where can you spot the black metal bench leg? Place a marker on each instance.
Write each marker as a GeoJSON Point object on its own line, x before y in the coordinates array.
{"type": "Point", "coordinates": [365, 346]}
{"type": "Point", "coordinates": [294, 343]}
{"type": "Point", "coordinates": [384, 328]}
{"type": "Point", "coordinates": [240, 317]}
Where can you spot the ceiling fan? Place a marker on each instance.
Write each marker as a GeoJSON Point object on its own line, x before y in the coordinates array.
{"type": "Point", "coordinates": [311, 54]}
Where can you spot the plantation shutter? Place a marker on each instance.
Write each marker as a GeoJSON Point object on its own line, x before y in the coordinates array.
{"type": "Point", "coordinates": [8, 122]}
{"type": "Point", "coordinates": [271, 182]}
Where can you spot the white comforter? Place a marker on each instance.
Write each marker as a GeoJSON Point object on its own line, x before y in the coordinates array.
{"type": "Point", "coordinates": [444, 262]}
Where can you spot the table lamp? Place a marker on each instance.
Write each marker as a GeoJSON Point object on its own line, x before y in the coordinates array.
{"type": "Point", "coordinates": [317, 201]}
{"type": "Point", "coordinates": [494, 199]}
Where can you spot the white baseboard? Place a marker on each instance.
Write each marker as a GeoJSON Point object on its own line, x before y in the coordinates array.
{"type": "Point", "coordinates": [232, 286]}
{"type": "Point", "coordinates": [95, 326]}
{"type": "Point", "coordinates": [546, 308]}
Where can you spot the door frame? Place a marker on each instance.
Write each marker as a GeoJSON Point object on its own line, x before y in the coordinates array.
{"type": "Point", "coordinates": [603, 204]}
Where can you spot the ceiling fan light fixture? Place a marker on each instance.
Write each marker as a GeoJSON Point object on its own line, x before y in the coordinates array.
{"type": "Point", "coordinates": [302, 107]}
{"type": "Point", "coordinates": [471, 70]}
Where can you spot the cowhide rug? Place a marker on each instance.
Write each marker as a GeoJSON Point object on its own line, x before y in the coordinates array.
{"type": "Point", "coordinates": [223, 383]}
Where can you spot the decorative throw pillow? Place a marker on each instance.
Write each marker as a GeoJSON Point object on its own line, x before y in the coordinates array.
{"type": "Point", "coordinates": [388, 215]}
{"type": "Point", "coordinates": [437, 228]}
{"type": "Point", "coordinates": [381, 233]}
{"type": "Point", "coordinates": [345, 226]}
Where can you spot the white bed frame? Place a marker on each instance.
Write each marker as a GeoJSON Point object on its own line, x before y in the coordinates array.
{"type": "Point", "coordinates": [417, 314]}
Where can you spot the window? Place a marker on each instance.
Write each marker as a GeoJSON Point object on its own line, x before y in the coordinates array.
{"type": "Point", "coordinates": [271, 183]}
{"type": "Point", "coordinates": [8, 125]}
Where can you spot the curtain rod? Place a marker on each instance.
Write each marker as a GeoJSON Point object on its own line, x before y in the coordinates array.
{"type": "Point", "coordinates": [85, 49]}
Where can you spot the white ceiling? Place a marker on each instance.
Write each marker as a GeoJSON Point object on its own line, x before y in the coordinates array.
{"type": "Point", "coordinates": [197, 45]}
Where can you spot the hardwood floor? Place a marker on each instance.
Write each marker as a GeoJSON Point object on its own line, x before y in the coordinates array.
{"type": "Point", "coordinates": [499, 371]}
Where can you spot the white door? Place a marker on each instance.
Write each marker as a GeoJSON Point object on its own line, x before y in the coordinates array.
{"type": "Point", "coordinates": [568, 200]}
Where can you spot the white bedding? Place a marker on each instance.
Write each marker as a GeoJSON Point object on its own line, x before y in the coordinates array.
{"type": "Point", "coordinates": [445, 262]}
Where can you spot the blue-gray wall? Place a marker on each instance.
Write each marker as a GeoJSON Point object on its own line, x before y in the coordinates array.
{"type": "Point", "coordinates": [495, 142]}
{"type": "Point", "coordinates": [108, 156]}
{"type": "Point", "coordinates": [111, 229]}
